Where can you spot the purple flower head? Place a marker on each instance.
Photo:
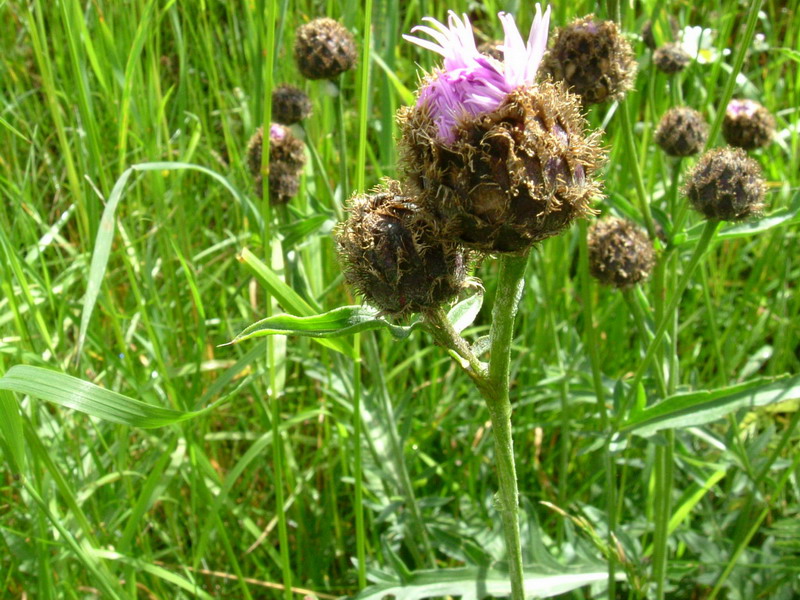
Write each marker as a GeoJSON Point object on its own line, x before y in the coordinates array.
{"type": "Point", "coordinates": [471, 83]}
{"type": "Point", "coordinates": [277, 132]}
{"type": "Point", "coordinates": [737, 108]}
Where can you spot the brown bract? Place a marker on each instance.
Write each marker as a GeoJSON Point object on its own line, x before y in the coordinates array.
{"type": "Point", "coordinates": [620, 254]}
{"type": "Point", "coordinates": [682, 131]}
{"type": "Point", "coordinates": [391, 254]}
{"type": "Point", "coordinates": [323, 49]}
{"type": "Point", "coordinates": [593, 59]}
{"type": "Point", "coordinates": [513, 177]}
{"type": "Point", "coordinates": [726, 185]}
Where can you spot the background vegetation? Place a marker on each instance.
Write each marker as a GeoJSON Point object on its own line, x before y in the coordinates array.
{"type": "Point", "coordinates": [198, 507]}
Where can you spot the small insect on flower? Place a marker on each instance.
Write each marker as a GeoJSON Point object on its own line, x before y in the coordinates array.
{"type": "Point", "coordinates": [501, 160]}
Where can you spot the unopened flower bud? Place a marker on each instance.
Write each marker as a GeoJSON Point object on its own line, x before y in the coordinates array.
{"type": "Point", "coordinates": [286, 160]}
{"type": "Point", "coordinates": [511, 177]}
{"type": "Point", "coordinates": [747, 124]}
{"type": "Point", "coordinates": [323, 49]}
{"type": "Point", "coordinates": [726, 184]}
{"type": "Point", "coordinates": [620, 254]}
{"type": "Point", "coordinates": [290, 105]}
{"type": "Point", "coordinates": [391, 253]}
{"type": "Point", "coordinates": [593, 59]}
{"type": "Point", "coordinates": [682, 131]}
{"type": "Point", "coordinates": [671, 58]}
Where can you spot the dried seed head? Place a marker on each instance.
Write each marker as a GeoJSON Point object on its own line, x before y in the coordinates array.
{"type": "Point", "coordinates": [748, 124]}
{"type": "Point", "coordinates": [593, 59]}
{"type": "Point", "coordinates": [286, 160]}
{"type": "Point", "coordinates": [290, 105]}
{"type": "Point", "coordinates": [391, 254]}
{"type": "Point", "coordinates": [512, 177]}
{"type": "Point", "coordinates": [620, 254]}
{"type": "Point", "coordinates": [682, 131]}
{"type": "Point", "coordinates": [324, 49]}
{"type": "Point", "coordinates": [726, 184]}
{"type": "Point", "coordinates": [647, 32]}
{"type": "Point", "coordinates": [671, 58]}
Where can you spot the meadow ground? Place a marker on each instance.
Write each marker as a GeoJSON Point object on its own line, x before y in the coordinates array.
{"type": "Point", "coordinates": [134, 245]}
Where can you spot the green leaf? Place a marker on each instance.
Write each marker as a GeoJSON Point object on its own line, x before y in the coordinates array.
{"type": "Point", "coordinates": [474, 583]}
{"type": "Point", "coordinates": [91, 399]}
{"type": "Point", "coordinates": [465, 312]}
{"type": "Point", "coordinates": [344, 320]}
{"type": "Point", "coordinates": [697, 408]}
{"type": "Point", "coordinates": [782, 216]}
{"type": "Point", "coordinates": [292, 302]}
{"type": "Point", "coordinates": [11, 430]}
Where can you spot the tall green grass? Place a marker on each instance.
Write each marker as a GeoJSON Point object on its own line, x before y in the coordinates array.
{"type": "Point", "coordinates": [312, 460]}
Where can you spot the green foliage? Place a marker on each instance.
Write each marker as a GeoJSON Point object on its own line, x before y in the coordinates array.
{"type": "Point", "coordinates": [132, 249]}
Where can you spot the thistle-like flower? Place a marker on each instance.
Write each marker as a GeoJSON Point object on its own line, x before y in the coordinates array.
{"type": "Point", "coordinates": [726, 185]}
{"type": "Point", "coordinates": [472, 83]}
{"type": "Point", "coordinates": [593, 59]}
{"type": "Point", "coordinates": [747, 124]}
{"type": "Point", "coordinates": [682, 131]}
{"type": "Point", "coordinates": [620, 254]}
{"type": "Point", "coordinates": [501, 161]}
{"type": "Point", "coordinates": [286, 160]}
{"type": "Point", "coordinates": [391, 254]}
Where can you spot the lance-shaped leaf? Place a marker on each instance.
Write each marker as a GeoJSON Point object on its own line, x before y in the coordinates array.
{"type": "Point", "coordinates": [696, 408]}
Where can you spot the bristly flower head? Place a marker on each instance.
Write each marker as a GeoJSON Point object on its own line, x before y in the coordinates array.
{"type": "Point", "coordinates": [471, 83]}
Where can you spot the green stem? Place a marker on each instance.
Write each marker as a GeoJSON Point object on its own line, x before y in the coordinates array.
{"type": "Point", "coordinates": [494, 386]}
{"type": "Point", "coordinates": [699, 251]}
{"type": "Point", "coordinates": [363, 103]}
{"type": "Point", "coordinates": [592, 342]}
{"type": "Point", "coordinates": [641, 193]}
{"type": "Point", "coordinates": [509, 291]}
{"type": "Point", "coordinates": [742, 47]}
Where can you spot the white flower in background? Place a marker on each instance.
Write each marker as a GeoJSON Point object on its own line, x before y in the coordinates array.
{"type": "Point", "coordinates": [698, 42]}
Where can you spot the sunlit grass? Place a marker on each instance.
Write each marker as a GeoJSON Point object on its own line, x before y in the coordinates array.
{"type": "Point", "coordinates": [88, 90]}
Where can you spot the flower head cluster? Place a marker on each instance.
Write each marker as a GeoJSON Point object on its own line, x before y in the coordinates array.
{"type": "Point", "coordinates": [472, 83]}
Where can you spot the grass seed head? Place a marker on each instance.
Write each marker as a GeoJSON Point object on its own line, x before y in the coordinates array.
{"type": "Point", "coordinates": [392, 254]}
{"type": "Point", "coordinates": [290, 105]}
{"type": "Point", "coordinates": [512, 177]}
{"type": "Point", "coordinates": [748, 124]}
{"type": "Point", "coordinates": [671, 58]}
{"type": "Point", "coordinates": [593, 59]}
{"type": "Point", "coordinates": [726, 185]}
{"type": "Point", "coordinates": [682, 131]}
{"type": "Point", "coordinates": [620, 254]}
{"type": "Point", "coordinates": [324, 49]}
